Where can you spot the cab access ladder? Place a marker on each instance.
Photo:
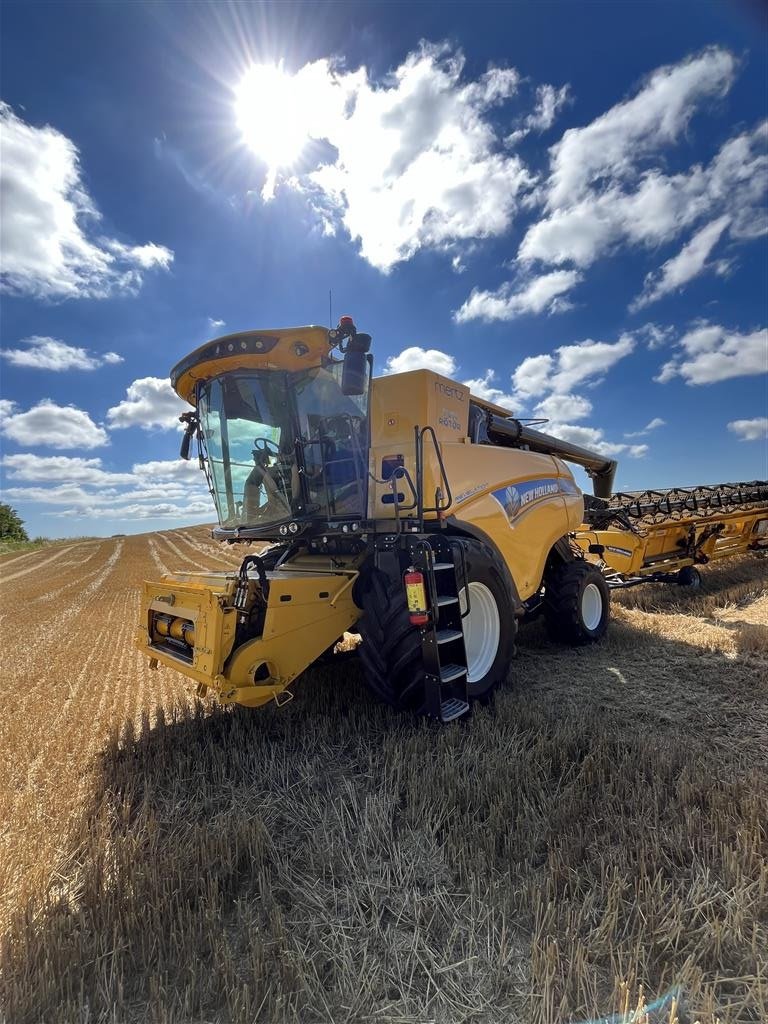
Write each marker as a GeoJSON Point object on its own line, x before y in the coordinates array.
{"type": "Point", "coordinates": [441, 561]}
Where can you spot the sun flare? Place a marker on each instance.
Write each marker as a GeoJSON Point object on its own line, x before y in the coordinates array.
{"type": "Point", "coordinates": [272, 114]}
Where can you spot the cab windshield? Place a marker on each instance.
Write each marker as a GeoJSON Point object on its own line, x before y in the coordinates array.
{"type": "Point", "coordinates": [284, 446]}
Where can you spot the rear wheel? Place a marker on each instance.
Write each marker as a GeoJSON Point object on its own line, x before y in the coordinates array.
{"type": "Point", "coordinates": [576, 603]}
{"type": "Point", "coordinates": [391, 648]}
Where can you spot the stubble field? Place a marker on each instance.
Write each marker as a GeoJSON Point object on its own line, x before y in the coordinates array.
{"type": "Point", "coordinates": [602, 821]}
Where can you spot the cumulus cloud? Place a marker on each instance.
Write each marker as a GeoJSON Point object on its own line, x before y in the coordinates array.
{"type": "Point", "coordinates": [53, 426]}
{"type": "Point", "coordinates": [711, 353]}
{"type": "Point", "coordinates": [750, 430]}
{"type": "Point", "coordinates": [216, 325]}
{"type": "Point", "coordinates": [42, 353]}
{"type": "Point", "coordinates": [6, 408]}
{"type": "Point", "coordinates": [150, 403]}
{"type": "Point", "coordinates": [25, 466]}
{"type": "Point", "coordinates": [653, 424]}
{"type": "Point", "coordinates": [656, 116]}
{"type": "Point", "coordinates": [608, 186]}
{"type": "Point", "coordinates": [159, 489]}
{"type": "Point", "coordinates": [583, 363]}
{"type": "Point", "coordinates": [689, 263]}
{"type": "Point", "coordinates": [538, 295]}
{"type": "Point", "coordinates": [484, 388]}
{"type": "Point", "coordinates": [594, 439]}
{"type": "Point", "coordinates": [549, 102]}
{"type": "Point", "coordinates": [562, 408]}
{"type": "Point", "coordinates": [417, 161]}
{"type": "Point", "coordinates": [51, 248]}
{"type": "Point", "coordinates": [417, 358]}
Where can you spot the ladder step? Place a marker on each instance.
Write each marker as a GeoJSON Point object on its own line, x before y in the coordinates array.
{"type": "Point", "coordinates": [453, 708]}
{"type": "Point", "coordinates": [445, 636]}
{"type": "Point", "coordinates": [446, 600]}
{"type": "Point", "coordinates": [450, 672]}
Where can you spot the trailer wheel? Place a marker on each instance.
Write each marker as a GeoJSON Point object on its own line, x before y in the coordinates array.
{"type": "Point", "coordinates": [576, 603]}
{"type": "Point", "coordinates": [391, 649]}
{"type": "Point", "coordinates": [690, 578]}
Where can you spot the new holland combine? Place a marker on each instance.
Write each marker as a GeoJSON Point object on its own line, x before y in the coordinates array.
{"type": "Point", "coordinates": [404, 507]}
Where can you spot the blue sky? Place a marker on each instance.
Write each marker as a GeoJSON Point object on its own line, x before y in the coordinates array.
{"type": "Point", "coordinates": [563, 204]}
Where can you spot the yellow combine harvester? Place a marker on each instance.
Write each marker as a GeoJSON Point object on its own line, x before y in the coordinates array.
{"type": "Point", "coordinates": [426, 518]}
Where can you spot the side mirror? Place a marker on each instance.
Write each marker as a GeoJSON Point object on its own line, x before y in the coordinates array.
{"type": "Point", "coordinates": [190, 419]}
{"type": "Point", "coordinates": [185, 443]}
{"type": "Point", "coordinates": [354, 375]}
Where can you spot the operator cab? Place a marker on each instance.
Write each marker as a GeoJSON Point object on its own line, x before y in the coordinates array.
{"type": "Point", "coordinates": [283, 433]}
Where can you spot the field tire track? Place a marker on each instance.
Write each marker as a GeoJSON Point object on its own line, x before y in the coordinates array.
{"type": "Point", "coordinates": [40, 565]}
{"type": "Point", "coordinates": [181, 554]}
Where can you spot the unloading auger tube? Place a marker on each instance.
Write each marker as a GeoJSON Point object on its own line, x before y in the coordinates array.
{"type": "Point", "coordinates": [511, 431]}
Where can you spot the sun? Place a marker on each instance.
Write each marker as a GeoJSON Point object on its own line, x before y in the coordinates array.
{"type": "Point", "coordinates": [272, 114]}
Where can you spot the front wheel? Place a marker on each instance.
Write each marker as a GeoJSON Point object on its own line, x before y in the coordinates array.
{"type": "Point", "coordinates": [576, 603]}
{"type": "Point", "coordinates": [391, 649]}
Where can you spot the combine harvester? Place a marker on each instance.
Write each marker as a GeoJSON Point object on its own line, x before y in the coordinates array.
{"type": "Point", "coordinates": [405, 507]}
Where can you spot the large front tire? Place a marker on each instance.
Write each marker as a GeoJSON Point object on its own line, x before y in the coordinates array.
{"type": "Point", "coordinates": [391, 649]}
{"type": "Point", "coordinates": [577, 603]}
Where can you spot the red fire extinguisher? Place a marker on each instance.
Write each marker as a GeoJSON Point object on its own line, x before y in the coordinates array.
{"type": "Point", "coordinates": [416, 594]}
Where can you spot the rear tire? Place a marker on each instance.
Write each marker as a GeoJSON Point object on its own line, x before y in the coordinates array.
{"type": "Point", "coordinates": [576, 603]}
{"type": "Point", "coordinates": [391, 649]}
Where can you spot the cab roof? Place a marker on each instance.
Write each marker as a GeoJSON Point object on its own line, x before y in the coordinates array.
{"type": "Point", "coordinates": [283, 348]}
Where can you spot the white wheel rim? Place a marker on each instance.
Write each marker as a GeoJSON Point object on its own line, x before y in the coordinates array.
{"type": "Point", "coordinates": [482, 630]}
{"type": "Point", "coordinates": [591, 606]}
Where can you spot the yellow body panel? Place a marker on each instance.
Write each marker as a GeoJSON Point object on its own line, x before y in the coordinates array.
{"type": "Point", "coordinates": [308, 610]}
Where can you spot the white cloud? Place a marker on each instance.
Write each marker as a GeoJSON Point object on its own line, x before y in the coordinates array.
{"type": "Point", "coordinates": [150, 402]}
{"type": "Point", "coordinates": [562, 408]}
{"type": "Point", "coordinates": [49, 249]}
{"type": "Point", "coordinates": [656, 208]}
{"type": "Point", "coordinates": [53, 468]}
{"type": "Point", "coordinates": [750, 430]}
{"type": "Point", "coordinates": [137, 511]}
{"type": "Point", "coordinates": [549, 102]}
{"type": "Point", "coordinates": [656, 116]}
{"type": "Point", "coordinates": [685, 266]}
{"type": "Point", "coordinates": [539, 295]}
{"type": "Point", "coordinates": [484, 388]}
{"type": "Point", "coordinates": [216, 325]}
{"type": "Point", "coordinates": [160, 489]}
{"type": "Point", "coordinates": [584, 362]}
{"type": "Point", "coordinates": [711, 353]}
{"type": "Point", "coordinates": [608, 186]}
{"type": "Point", "coordinates": [44, 353]}
{"type": "Point", "coordinates": [6, 408]}
{"type": "Point", "coordinates": [654, 336]}
{"type": "Point", "coordinates": [417, 358]}
{"type": "Point", "coordinates": [417, 163]}
{"type": "Point", "coordinates": [53, 426]}
{"type": "Point", "coordinates": [592, 438]}
{"type": "Point", "coordinates": [654, 424]}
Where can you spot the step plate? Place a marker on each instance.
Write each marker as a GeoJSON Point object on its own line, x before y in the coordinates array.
{"type": "Point", "coordinates": [453, 708]}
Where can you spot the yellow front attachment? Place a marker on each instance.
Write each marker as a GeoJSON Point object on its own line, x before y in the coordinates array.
{"type": "Point", "coordinates": [677, 543]}
{"type": "Point", "coordinates": [189, 623]}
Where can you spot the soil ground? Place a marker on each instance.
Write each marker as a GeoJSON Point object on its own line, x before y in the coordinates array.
{"type": "Point", "coordinates": [602, 822]}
